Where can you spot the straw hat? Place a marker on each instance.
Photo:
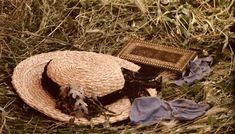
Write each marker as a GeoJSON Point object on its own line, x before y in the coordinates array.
{"type": "Point", "coordinates": [99, 73]}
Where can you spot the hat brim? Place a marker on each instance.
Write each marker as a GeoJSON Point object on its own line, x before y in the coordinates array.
{"type": "Point", "coordinates": [26, 80]}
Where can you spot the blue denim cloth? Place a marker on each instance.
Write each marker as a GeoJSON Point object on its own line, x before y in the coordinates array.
{"type": "Point", "coordinates": [151, 110]}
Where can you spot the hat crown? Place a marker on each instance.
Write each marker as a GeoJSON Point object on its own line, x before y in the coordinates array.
{"type": "Point", "coordinates": [97, 73]}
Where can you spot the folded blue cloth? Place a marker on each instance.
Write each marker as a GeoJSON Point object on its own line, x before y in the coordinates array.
{"type": "Point", "coordinates": [151, 110]}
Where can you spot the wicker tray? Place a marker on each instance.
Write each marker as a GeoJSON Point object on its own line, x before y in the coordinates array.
{"type": "Point", "coordinates": [160, 56]}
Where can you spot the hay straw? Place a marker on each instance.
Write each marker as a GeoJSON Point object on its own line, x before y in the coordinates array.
{"type": "Point", "coordinates": [104, 26]}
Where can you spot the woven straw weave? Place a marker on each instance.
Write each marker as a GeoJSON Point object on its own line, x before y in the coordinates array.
{"type": "Point", "coordinates": [27, 76]}
{"type": "Point", "coordinates": [98, 73]}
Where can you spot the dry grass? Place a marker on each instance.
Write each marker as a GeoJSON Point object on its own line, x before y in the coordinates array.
{"type": "Point", "coordinates": [28, 27]}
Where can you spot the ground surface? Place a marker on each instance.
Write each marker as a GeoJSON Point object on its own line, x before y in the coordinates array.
{"type": "Point", "coordinates": [29, 27]}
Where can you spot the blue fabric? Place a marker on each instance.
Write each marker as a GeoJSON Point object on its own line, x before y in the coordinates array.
{"type": "Point", "coordinates": [151, 110]}
{"type": "Point", "coordinates": [198, 69]}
